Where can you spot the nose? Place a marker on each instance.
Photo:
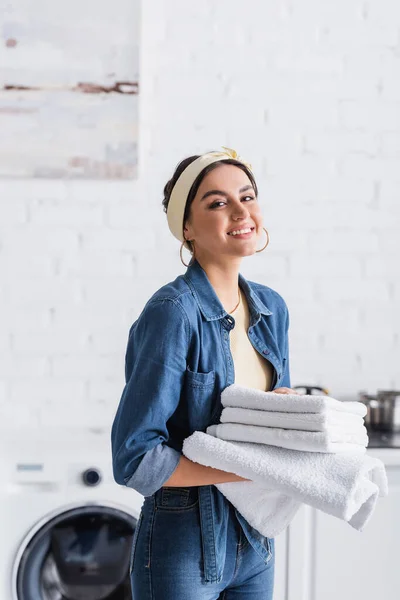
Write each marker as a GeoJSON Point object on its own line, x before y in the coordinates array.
{"type": "Point", "coordinates": [240, 211]}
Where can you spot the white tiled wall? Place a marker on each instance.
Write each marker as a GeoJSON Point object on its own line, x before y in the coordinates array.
{"type": "Point", "coordinates": [309, 93]}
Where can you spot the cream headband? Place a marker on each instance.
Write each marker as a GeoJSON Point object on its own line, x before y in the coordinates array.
{"type": "Point", "coordinates": [181, 189]}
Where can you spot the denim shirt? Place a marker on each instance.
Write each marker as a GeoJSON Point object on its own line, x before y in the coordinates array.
{"type": "Point", "coordinates": [177, 363]}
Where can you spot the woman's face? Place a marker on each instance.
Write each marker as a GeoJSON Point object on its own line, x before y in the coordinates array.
{"type": "Point", "coordinates": [225, 202]}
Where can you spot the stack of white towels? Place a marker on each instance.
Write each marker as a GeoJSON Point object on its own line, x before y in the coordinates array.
{"type": "Point", "coordinates": [294, 449]}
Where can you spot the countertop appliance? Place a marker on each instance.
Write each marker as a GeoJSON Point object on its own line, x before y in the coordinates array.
{"type": "Point", "coordinates": [66, 526]}
{"type": "Point", "coordinates": [383, 418]}
{"type": "Point", "coordinates": [312, 390]}
{"type": "Point", "coordinates": [383, 414]}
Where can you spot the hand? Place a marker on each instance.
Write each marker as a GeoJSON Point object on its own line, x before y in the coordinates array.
{"type": "Point", "coordinates": [286, 390]}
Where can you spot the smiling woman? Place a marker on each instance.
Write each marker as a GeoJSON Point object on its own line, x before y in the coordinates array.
{"type": "Point", "coordinates": [207, 193]}
{"type": "Point", "coordinates": [196, 335]}
{"type": "Point", "coordinates": [225, 202]}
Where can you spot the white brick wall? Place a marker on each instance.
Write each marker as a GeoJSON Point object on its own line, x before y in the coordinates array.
{"type": "Point", "coordinates": [309, 92]}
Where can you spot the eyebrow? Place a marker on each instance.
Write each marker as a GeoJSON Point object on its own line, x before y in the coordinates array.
{"type": "Point", "coordinates": [220, 193]}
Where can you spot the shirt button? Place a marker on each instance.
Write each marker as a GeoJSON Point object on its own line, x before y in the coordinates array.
{"type": "Point", "coordinates": [265, 351]}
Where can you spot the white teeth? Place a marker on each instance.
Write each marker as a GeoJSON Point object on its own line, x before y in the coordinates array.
{"type": "Point", "coordinates": [240, 231]}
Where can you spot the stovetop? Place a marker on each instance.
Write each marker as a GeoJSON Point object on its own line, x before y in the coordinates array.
{"type": "Point", "coordinates": [383, 439]}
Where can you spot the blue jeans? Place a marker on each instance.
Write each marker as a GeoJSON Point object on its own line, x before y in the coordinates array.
{"type": "Point", "coordinates": [166, 559]}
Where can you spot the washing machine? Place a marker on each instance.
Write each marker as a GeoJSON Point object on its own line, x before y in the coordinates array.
{"type": "Point", "coordinates": [66, 525]}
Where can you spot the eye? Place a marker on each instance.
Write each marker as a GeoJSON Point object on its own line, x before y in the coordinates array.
{"type": "Point", "coordinates": [215, 204]}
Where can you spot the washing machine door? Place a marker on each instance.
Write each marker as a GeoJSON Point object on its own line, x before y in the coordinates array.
{"type": "Point", "coordinates": [80, 554]}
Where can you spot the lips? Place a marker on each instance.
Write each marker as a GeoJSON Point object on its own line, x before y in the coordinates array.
{"type": "Point", "coordinates": [241, 229]}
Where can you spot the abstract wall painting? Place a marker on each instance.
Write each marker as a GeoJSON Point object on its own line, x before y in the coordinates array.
{"type": "Point", "coordinates": [69, 89]}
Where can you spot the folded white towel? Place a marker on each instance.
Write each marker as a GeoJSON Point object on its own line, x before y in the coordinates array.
{"type": "Point", "coordinates": [307, 441]}
{"type": "Point", "coordinates": [245, 397]}
{"type": "Point", "coordinates": [344, 485]}
{"type": "Point", "coordinates": [267, 510]}
{"type": "Point", "coordinates": [326, 421]}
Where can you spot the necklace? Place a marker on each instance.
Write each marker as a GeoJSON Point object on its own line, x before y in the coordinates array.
{"type": "Point", "coordinates": [240, 297]}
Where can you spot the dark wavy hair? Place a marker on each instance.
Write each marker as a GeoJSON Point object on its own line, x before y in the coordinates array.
{"type": "Point", "coordinates": [196, 184]}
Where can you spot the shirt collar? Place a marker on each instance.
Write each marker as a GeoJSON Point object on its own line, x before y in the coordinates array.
{"type": "Point", "coordinates": [207, 299]}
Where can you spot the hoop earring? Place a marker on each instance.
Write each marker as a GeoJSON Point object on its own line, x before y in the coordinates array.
{"type": "Point", "coordinates": [180, 253]}
{"type": "Point", "coordinates": [263, 248]}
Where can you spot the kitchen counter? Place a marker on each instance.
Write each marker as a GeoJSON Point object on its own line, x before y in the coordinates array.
{"type": "Point", "coordinates": [383, 439]}
{"type": "Point", "coordinates": [385, 446]}
{"type": "Point", "coordinates": [389, 456]}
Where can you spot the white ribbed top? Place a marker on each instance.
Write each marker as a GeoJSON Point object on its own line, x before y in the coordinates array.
{"type": "Point", "coordinates": [251, 369]}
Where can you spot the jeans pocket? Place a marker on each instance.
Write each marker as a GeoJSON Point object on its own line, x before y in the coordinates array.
{"type": "Point", "coordinates": [270, 547]}
{"type": "Point", "coordinates": [176, 499]}
{"type": "Point", "coordinates": [134, 541]}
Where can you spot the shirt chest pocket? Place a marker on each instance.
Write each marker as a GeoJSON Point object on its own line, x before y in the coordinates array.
{"type": "Point", "coordinates": [200, 399]}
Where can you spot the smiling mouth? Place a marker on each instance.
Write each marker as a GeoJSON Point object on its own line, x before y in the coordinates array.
{"type": "Point", "coordinates": [241, 234]}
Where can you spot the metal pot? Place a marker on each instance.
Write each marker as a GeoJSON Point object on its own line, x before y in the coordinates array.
{"type": "Point", "coordinates": [389, 409]}
{"type": "Point", "coordinates": [371, 419]}
{"type": "Point", "coordinates": [383, 410]}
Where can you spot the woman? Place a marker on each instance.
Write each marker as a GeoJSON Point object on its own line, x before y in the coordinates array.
{"type": "Point", "coordinates": [196, 335]}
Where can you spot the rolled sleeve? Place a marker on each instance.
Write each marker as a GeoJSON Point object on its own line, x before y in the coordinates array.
{"type": "Point", "coordinates": [155, 365]}
{"type": "Point", "coordinates": [155, 468]}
